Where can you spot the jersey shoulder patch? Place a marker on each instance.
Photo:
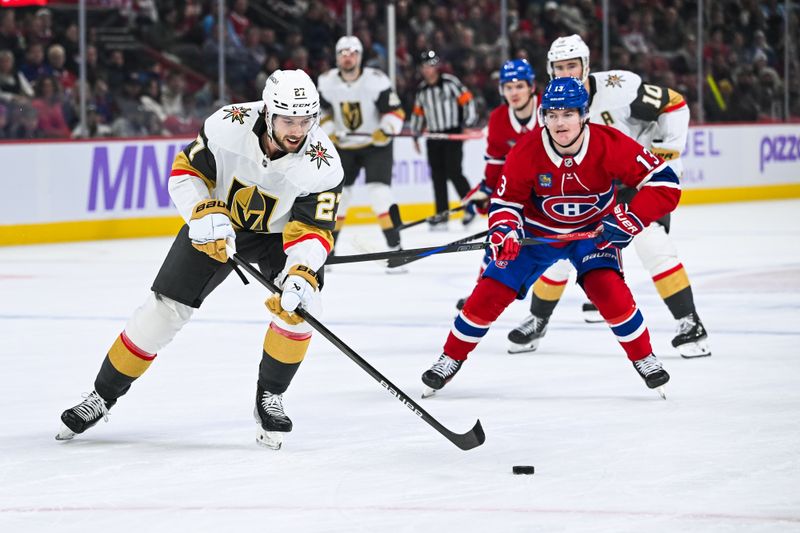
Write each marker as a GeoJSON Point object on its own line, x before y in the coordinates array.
{"type": "Point", "coordinates": [320, 162]}
{"type": "Point", "coordinates": [614, 89]}
{"type": "Point", "coordinates": [232, 123]}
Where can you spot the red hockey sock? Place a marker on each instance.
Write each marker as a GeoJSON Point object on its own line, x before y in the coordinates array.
{"type": "Point", "coordinates": [488, 299]}
{"type": "Point", "coordinates": [609, 292]}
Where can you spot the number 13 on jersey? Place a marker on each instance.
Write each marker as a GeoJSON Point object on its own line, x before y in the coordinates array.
{"type": "Point", "coordinates": [653, 162]}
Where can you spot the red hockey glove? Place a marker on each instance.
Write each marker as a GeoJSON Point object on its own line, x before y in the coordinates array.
{"type": "Point", "coordinates": [619, 228]}
{"type": "Point", "coordinates": [504, 243]}
{"type": "Point", "coordinates": [479, 196]}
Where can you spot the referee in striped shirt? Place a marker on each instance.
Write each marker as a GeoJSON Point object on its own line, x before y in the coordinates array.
{"type": "Point", "coordinates": [445, 105]}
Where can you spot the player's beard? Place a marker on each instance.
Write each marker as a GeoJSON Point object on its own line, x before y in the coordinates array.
{"type": "Point", "coordinates": [351, 70]}
{"type": "Point", "coordinates": [280, 144]}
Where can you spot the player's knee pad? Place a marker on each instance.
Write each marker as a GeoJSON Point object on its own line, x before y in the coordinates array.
{"type": "Point", "coordinates": [154, 324]}
{"type": "Point", "coordinates": [656, 250]}
{"type": "Point", "coordinates": [380, 197]}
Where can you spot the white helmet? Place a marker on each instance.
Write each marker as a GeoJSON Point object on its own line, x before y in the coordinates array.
{"type": "Point", "coordinates": [290, 93]}
{"type": "Point", "coordinates": [349, 42]}
{"type": "Point", "coordinates": [570, 47]}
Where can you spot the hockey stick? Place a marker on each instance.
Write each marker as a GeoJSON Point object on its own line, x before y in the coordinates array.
{"type": "Point", "coordinates": [465, 136]}
{"type": "Point", "coordinates": [400, 261]}
{"type": "Point", "coordinates": [466, 441]}
{"type": "Point", "coordinates": [441, 216]}
{"type": "Point", "coordinates": [461, 245]}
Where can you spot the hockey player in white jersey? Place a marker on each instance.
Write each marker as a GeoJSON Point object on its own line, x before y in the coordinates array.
{"type": "Point", "coordinates": [260, 178]}
{"type": "Point", "coordinates": [658, 118]}
{"type": "Point", "coordinates": [360, 113]}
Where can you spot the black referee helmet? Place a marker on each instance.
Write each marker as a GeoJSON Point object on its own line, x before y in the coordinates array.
{"type": "Point", "coordinates": [429, 57]}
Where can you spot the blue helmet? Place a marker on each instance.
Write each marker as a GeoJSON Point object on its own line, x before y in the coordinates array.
{"type": "Point", "coordinates": [565, 93]}
{"type": "Point", "coordinates": [516, 70]}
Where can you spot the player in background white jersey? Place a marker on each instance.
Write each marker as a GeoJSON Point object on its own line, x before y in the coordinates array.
{"type": "Point", "coordinates": [260, 177]}
{"type": "Point", "coordinates": [658, 118]}
{"type": "Point", "coordinates": [360, 113]}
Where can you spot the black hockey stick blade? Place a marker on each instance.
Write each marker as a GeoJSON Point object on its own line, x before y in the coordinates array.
{"type": "Point", "coordinates": [471, 439]}
{"type": "Point", "coordinates": [466, 441]}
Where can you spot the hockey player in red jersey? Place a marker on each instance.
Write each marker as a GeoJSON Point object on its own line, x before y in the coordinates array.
{"type": "Point", "coordinates": [657, 118]}
{"type": "Point", "coordinates": [559, 179]}
{"type": "Point", "coordinates": [507, 124]}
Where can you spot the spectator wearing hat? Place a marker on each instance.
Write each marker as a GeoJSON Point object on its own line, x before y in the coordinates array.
{"type": "Point", "coordinates": [442, 105]}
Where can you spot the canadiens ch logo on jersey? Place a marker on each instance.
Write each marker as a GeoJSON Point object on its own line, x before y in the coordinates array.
{"type": "Point", "coordinates": [250, 208]}
{"type": "Point", "coordinates": [571, 209]}
{"type": "Point", "coordinates": [318, 153]}
{"type": "Point", "coordinates": [236, 114]}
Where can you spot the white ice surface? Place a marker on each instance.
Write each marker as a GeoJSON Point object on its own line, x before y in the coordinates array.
{"type": "Point", "coordinates": [178, 453]}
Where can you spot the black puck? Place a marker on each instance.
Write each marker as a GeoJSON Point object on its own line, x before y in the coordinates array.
{"type": "Point", "coordinates": [522, 469]}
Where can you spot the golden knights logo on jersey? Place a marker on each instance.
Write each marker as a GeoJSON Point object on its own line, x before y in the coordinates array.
{"type": "Point", "coordinates": [250, 208]}
{"type": "Point", "coordinates": [614, 80]}
{"type": "Point", "coordinates": [318, 153]}
{"type": "Point", "coordinates": [236, 114]}
{"type": "Point", "coordinates": [351, 115]}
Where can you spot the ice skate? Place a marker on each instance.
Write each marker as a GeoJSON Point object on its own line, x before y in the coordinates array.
{"type": "Point", "coordinates": [525, 337]}
{"type": "Point", "coordinates": [691, 339]}
{"type": "Point", "coordinates": [78, 419]}
{"type": "Point", "coordinates": [440, 374]}
{"type": "Point", "coordinates": [272, 421]}
{"type": "Point", "coordinates": [653, 374]}
{"type": "Point", "coordinates": [591, 314]}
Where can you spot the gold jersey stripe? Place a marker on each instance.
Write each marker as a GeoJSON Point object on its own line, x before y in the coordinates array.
{"type": "Point", "coordinates": [672, 283]}
{"type": "Point", "coordinates": [548, 291]}
{"type": "Point", "coordinates": [125, 361]}
{"type": "Point", "coordinates": [284, 349]}
{"type": "Point", "coordinates": [182, 163]}
{"type": "Point", "coordinates": [675, 101]}
{"type": "Point", "coordinates": [296, 231]}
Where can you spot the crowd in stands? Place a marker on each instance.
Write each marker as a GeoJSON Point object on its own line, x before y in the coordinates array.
{"type": "Point", "coordinates": [152, 66]}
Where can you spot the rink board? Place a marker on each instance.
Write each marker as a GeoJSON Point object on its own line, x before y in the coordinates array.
{"type": "Point", "coordinates": [85, 190]}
